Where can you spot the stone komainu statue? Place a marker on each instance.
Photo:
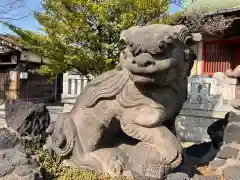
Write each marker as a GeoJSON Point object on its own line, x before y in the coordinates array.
{"type": "Point", "coordinates": [119, 124]}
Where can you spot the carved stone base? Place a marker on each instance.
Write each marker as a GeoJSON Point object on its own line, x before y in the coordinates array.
{"type": "Point", "coordinates": [124, 156]}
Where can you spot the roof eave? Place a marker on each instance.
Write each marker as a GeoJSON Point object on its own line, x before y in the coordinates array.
{"type": "Point", "coordinates": [10, 44]}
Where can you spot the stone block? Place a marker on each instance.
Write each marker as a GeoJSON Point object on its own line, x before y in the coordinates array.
{"type": "Point", "coordinates": [177, 176]}
{"type": "Point", "coordinates": [232, 117]}
{"type": "Point", "coordinates": [8, 139]}
{"type": "Point", "coordinates": [199, 177]}
{"type": "Point", "coordinates": [27, 118]}
{"type": "Point", "coordinates": [231, 173]}
{"type": "Point", "coordinates": [217, 163]}
{"type": "Point", "coordinates": [232, 133]}
{"type": "Point", "coordinates": [5, 169]}
{"type": "Point", "coordinates": [24, 170]}
{"type": "Point", "coordinates": [192, 128]}
{"type": "Point", "coordinates": [15, 162]}
{"type": "Point", "coordinates": [228, 153]}
{"type": "Point", "coordinates": [197, 135]}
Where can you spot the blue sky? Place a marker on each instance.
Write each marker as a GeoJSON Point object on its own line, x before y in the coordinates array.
{"type": "Point", "coordinates": [29, 23]}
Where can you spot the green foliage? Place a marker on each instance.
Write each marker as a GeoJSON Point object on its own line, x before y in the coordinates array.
{"type": "Point", "coordinates": [84, 34]}
{"type": "Point", "coordinates": [172, 19]}
{"type": "Point", "coordinates": [52, 168]}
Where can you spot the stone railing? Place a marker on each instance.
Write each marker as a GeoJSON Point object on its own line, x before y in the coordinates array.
{"type": "Point", "coordinates": [73, 85]}
{"type": "Point", "coordinates": [208, 100]}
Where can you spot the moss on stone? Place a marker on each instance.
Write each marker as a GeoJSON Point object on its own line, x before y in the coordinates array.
{"type": "Point", "coordinates": [52, 169]}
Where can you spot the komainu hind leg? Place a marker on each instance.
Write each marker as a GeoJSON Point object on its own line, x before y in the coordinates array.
{"type": "Point", "coordinates": [158, 153]}
{"type": "Point", "coordinates": [92, 130]}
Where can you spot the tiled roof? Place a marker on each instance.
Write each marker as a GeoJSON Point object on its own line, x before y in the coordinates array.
{"type": "Point", "coordinates": [10, 42]}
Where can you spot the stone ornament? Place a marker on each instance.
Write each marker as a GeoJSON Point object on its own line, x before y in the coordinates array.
{"type": "Point", "coordinates": [122, 123]}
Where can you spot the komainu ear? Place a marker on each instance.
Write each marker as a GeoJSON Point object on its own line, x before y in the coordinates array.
{"type": "Point", "coordinates": [194, 39]}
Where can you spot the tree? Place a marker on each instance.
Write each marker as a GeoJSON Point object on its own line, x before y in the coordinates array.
{"type": "Point", "coordinates": [84, 34]}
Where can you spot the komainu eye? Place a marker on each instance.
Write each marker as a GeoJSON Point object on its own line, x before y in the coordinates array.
{"type": "Point", "coordinates": [161, 45]}
{"type": "Point", "coordinates": [187, 51]}
{"type": "Point", "coordinates": [168, 39]}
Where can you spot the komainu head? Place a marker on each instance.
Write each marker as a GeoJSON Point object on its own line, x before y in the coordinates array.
{"type": "Point", "coordinates": [157, 53]}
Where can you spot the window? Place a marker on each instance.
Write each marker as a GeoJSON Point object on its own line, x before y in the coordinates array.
{"type": "Point", "coordinates": [218, 57]}
{"type": "Point", "coordinates": [5, 58]}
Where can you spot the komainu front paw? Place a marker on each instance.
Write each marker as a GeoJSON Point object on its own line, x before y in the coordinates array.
{"type": "Point", "coordinates": [48, 145]}
{"type": "Point", "coordinates": [112, 162]}
{"type": "Point", "coordinates": [116, 165]}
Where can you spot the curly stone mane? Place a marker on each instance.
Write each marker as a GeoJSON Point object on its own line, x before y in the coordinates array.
{"type": "Point", "coordinates": [105, 86]}
{"type": "Point", "coordinates": [183, 35]}
{"type": "Point", "coordinates": [149, 39]}
{"type": "Point", "coordinates": [111, 84]}
{"type": "Point", "coordinates": [132, 97]}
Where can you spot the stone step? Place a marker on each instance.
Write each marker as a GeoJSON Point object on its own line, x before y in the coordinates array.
{"type": "Point", "coordinates": [231, 134]}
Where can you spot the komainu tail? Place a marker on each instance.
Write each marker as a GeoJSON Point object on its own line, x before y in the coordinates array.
{"type": "Point", "coordinates": [62, 139]}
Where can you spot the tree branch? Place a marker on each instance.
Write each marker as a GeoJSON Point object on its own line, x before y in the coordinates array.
{"type": "Point", "coordinates": [202, 19]}
{"type": "Point", "coordinates": [12, 6]}
{"type": "Point", "coordinates": [11, 18]}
